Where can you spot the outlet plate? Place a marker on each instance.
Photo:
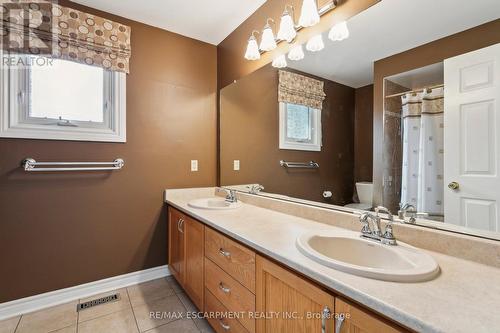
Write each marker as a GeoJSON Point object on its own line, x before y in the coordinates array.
{"type": "Point", "coordinates": [236, 165]}
{"type": "Point", "coordinates": [194, 165]}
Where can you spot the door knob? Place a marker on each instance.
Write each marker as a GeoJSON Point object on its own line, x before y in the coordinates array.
{"type": "Point", "coordinates": [453, 186]}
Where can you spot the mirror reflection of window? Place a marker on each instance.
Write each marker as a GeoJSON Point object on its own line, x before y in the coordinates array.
{"type": "Point", "coordinates": [299, 123]}
{"type": "Point", "coordinates": [300, 127]}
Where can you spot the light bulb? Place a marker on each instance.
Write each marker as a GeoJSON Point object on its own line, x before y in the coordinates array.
{"type": "Point", "coordinates": [296, 53]}
{"type": "Point", "coordinates": [309, 15]}
{"type": "Point", "coordinates": [315, 44]}
{"type": "Point", "coordinates": [339, 32]}
{"type": "Point", "coordinates": [268, 43]}
{"type": "Point", "coordinates": [252, 52]}
{"type": "Point", "coordinates": [280, 61]}
{"type": "Point", "coordinates": [287, 27]}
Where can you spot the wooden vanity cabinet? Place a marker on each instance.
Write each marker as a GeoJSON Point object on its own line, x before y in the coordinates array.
{"type": "Point", "coordinates": [291, 303]}
{"type": "Point", "coordinates": [186, 254]}
{"type": "Point", "coordinates": [221, 275]}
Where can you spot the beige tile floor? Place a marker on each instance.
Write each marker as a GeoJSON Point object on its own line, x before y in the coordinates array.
{"type": "Point", "coordinates": [131, 313]}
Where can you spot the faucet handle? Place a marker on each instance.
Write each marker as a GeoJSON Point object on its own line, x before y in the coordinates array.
{"type": "Point", "coordinates": [388, 236]}
{"type": "Point", "coordinates": [363, 218]}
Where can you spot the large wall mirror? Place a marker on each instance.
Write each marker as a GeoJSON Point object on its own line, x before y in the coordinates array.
{"type": "Point", "coordinates": [404, 113]}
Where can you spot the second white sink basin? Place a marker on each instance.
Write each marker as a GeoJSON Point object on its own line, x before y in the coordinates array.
{"type": "Point", "coordinates": [351, 254]}
{"type": "Point", "coordinates": [214, 204]}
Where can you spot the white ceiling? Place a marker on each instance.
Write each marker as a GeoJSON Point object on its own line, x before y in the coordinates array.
{"type": "Point", "coordinates": [388, 28]}
{"type": "Point", "coordinates": [208, 21]}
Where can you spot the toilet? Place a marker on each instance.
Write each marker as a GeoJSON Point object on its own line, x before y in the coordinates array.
{"type": "Point", "coordinates": [365, 195]}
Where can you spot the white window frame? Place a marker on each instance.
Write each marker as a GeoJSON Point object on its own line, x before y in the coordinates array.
{"type": "Point", "coordinates": [313, 145]}
{"type": "Point", "coordinates": [16, 123]}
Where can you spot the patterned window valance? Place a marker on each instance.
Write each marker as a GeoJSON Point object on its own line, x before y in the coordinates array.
{"type": "Point", "coordinates": [39, 27]}
{"type": "Point", "coordinates": [300, 89]}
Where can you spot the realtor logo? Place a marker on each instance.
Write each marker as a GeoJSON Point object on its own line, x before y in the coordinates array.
{"type": "Point", "coordinates": [26, 27]}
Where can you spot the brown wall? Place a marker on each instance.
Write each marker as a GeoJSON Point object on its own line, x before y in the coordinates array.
{"type": "Point", "coordinates": [250, 133]}
{"type": "Point", "coordinates": [431, 53]}
{"type": "Point", "coordinates": [231, 63]}
{"type": "Point", "coordinates": [62, 229]}
{"type": "Point", "coordinates": [363, 133]}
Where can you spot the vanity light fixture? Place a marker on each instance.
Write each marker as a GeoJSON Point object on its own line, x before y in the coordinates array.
{"type": "Point", "coordinates": [252, 52]}
{"type": "Point", "coordinates": [268, 42]}
{"type": "Point", "coordinates": [339, 32]}
{"type": "Point", "coordinates": [287, 26]}
{"type": "Point", "coordinates": [309, 15]}
{"type": "Point", "coordinates": [279, 61]}
{"type": "Point", "coordinates": [315, 44]}
{"type": "Point", "coordinates": [296, 53]}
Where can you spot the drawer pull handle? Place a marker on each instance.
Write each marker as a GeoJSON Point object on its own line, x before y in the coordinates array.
{"type": "Point", "coordinates": [224, 289]}
{"type": "Point", "coordinates": [224, 253]}
{"type": "Point", "coordinates": [224, 326]}
{"type": "Point", "coordinates": [180, 225]}
{"type": "Point", "coordinates": [324, 316]}
{"type": "Point", "coordinates": [339, 323]}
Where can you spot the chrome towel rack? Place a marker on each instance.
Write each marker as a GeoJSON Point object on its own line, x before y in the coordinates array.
{"type": "Point", "coordinates": [303, 165]}
{"type": "Point", "coordinates": [31, 165]}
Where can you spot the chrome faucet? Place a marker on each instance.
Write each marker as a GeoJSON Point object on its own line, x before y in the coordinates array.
{"type": "Point", "coordinates": [375, 233]}
{"type": "Point", "coordinates": [407, 210]}
{"type": "Point", "coordinates": [231, 196]}
{"type": "Point", "coordinates": [255, 189]}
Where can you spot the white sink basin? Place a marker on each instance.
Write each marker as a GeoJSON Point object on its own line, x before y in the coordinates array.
{"type": "Point", "coordinates": [214, 204]}
{"type": "Point", "coordinates": [351, 254]}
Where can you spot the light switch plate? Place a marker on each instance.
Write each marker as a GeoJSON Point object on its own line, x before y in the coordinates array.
{"type": "Point", "coordinates": [236, 165]}
{"type": "Point", "coordinates": [194, 165]}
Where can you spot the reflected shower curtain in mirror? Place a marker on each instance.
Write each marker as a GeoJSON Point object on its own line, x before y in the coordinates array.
{"type": "Point", "coordinates": [423, 154]}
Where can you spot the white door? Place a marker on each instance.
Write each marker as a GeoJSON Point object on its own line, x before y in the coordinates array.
{"type": "Point", "coordinates": [472, 139]}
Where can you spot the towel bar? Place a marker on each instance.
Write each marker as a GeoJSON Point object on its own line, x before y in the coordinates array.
{"type": "Point", "coordinates": [31, 165]}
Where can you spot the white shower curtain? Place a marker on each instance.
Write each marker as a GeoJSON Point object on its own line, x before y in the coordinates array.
{"type": "Point", "coordinates": [423, 162]}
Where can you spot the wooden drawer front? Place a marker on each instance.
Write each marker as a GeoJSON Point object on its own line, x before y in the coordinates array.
{"type": "Point", "coordinates": [230, 293]}
{"type": "Point", "coordinates": [221, 325]}
{"type": "Point", "coordinates": [235, 259]}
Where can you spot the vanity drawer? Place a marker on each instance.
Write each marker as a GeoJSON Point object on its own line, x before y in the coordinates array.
{"type": "Point", "coordinates": [237, 260]}
{"type": "Point", "coordinates": [221, 325]}
{"type": "Point", "coordinates": [230, 293]}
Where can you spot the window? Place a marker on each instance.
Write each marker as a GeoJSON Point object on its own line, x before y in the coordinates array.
{"type": "Point", "coordinates": [300, 127]}
{"type": "Point", "coordinates": [61, 100]}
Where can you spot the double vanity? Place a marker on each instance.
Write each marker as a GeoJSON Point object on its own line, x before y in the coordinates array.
{"type": "Point", "coordinates": [276, 266]}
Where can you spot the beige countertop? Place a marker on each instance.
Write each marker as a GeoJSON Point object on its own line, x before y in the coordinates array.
{"type": "Point", "coordinates": [465, 297]}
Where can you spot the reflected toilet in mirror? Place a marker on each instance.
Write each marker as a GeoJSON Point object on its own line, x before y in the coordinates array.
{"type": "Point", "coordinates": [365, 196]}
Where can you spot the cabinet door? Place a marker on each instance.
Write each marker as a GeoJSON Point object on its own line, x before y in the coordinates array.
{"type": "Point", "coordinates": [357, 320]}
{"type": "Point", "coordinates": [194, 257]}
{"type": "Point", "coordinates": [176, 245]}
{"type": "Point", "coordinates": [290, 303]}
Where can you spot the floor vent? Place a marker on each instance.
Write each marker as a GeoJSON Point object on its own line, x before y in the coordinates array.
{"type": "Point", "coordinates": [99, 301]}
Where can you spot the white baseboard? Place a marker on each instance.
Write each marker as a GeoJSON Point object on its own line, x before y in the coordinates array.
{"type": "Point", "coordinates": [56, 297]}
